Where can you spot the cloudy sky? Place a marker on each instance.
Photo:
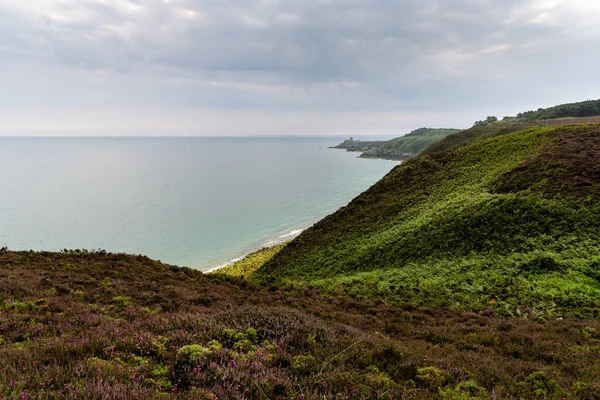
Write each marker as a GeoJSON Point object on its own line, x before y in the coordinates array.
{"type": "Point", "coordinates": [251, 67]}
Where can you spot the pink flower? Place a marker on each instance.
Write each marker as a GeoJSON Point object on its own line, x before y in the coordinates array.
{"type": "Point", "coordinates": [24, 394]}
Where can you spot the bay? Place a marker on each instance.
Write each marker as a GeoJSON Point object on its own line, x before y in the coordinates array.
{"type": "Point", "coordinates": [188, 201]}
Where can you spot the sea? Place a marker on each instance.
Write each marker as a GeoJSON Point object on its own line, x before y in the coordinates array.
{"type": "Point", "coordinates": [189, 201]}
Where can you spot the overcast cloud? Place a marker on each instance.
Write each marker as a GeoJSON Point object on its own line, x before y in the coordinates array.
{"type": "Point", "coordinates": [246, 67]}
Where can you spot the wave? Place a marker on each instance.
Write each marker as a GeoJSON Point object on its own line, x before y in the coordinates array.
{"type": "Point", "coordinates": [271, 243]}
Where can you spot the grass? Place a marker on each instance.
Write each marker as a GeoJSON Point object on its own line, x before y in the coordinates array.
{"type": "Point", "coordinates": [506, 126]}
{"type": "Point", "coordinates": [248, 265]}
{"type": "Point", "coordinates": [79, 325]}
{"type": "Point", "coordinates": [409, 145]}
{"type": "Point", "coordinates": [502, 224]}
{"type": "Point", "coordinates": [465, 274]}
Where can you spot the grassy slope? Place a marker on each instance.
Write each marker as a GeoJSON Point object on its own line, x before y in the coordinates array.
{"type": "Point", "coordinates": [564, 114]}
{"type": "Point", "coordinates": [75, 325]}
{"type": "Point", "coordinates": [466, 229]}
{"type": "Point", "coordinates": [499, 128]}
{"type": "Point", "coordinates": [408, 145]}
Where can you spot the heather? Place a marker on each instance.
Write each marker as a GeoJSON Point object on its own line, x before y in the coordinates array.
{"type": "Point", "coordinates": [90, 325]}
{"type": "Point", "coordinates": [510, 223]}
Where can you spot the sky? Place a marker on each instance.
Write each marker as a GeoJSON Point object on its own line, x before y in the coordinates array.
{"type": "Point", "coordinates": [288, 67]}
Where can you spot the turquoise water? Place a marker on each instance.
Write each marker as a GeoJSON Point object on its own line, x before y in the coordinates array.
{"type": "Point", "coordinates": [195, 202]}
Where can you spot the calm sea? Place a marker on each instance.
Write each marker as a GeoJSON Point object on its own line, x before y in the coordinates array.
{"type": "Point", "coordinates": [195, 202]}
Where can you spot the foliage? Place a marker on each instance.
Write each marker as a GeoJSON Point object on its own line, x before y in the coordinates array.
{"type": "Point", "coordinates": [245, 267]}
{"type": "Point", "coordinates": [566, 114]}
{"type": "Point", "coordinates": [213, 336]}
{"type": "Point", "coordinates": [453, 229]}
{"type": "Point", "coordinates": [582, 109]}
{"type": "Point", "coordinates": [409, 145]}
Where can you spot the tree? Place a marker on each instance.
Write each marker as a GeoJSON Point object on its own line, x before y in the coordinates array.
{"type": "Point", "coordinates": [489, 120]}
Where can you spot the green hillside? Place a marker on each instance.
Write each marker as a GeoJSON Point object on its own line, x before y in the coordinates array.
{"type": "Point", "coordinates": [587, 108]}
{"type": "Point", "coordinates": [400, 148]}
{"type": "Point", "coordinates": [510, 223]}
{"type": "Point", "coordinates": [565, 114]}
{"type": "Point", "coordinates": [409, 145]}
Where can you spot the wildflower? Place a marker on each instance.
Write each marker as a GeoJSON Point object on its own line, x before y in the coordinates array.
{"type": "Point", "coordinates": [233, 363]}
{"type": "Point", "coordinates": [24, 394]}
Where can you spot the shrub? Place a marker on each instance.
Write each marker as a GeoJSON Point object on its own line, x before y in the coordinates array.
{"type": "Point", "coordinates": [468, 390]}
{"type": "Point", "coordinates": [430, 376]}
{"type": "Point", "coordinates": [377, 378]}
{"type": "Point", "coordinates": [541, 384]}
{"type": "Point", "coordinates": [215, 345]}
{"type": "Point", "coordinates": [303, 363]}
{"type": "Point", "coordinates": [192, 353]}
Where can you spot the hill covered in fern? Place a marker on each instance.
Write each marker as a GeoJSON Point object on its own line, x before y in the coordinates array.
{"type": "Point", "coordinates": [510, 223]}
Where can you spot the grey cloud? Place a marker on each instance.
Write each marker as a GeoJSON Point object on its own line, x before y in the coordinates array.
{"type": "Point", "coordinates": [306, 54]}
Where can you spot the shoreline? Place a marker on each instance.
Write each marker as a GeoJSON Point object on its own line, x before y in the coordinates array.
{"type": "Point", "coordinates": [269, 244]}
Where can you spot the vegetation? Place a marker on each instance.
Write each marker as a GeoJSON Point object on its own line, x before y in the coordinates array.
{"type": "Point", "coordinates": [401, 148]}
{"type": "Point", "coordinates": [408, 146]}
{"type": "Point", "coordinates": [85, 325]}
{"type": "Point", "coordinates": [358, 145]}
{"type": "Point", "coordinates": [510, 224]}
{"type": "Point", "coordinates": [587, 108]}
{"type": "Point", "coordinates": [566, 114]}
{"type": "Point", "coordinates": [245, 267]}
{"type": "Point", "coordinates": [487, 121]}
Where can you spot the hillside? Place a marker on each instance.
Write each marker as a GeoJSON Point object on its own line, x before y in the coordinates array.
{"type": "Point", "coordinates": [510, 223]}
{"type": "Point", "coordinates": [79, 325]}
{"type": "Point", "coordinates": [400, 148]}
{"type": "Point", "coordinates": [561, 115]}
{"type": "Point", "coordinates": [581, 109]}
{"type": "Point", "coordinates": [409, 145]}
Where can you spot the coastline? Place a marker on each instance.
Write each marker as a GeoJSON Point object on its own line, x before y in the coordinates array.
{"type": "Point", "coordinates": [268, 245]}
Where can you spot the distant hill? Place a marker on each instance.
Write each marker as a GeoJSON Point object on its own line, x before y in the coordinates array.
{"type": "Point", "coordinates": [400, 148]}
{"type": "Point", "coordinates": [566, 114]}
{"type": "Point", "coordinates": [408, 146]}
{"type": "Point", "coordinates": [587, 108]}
